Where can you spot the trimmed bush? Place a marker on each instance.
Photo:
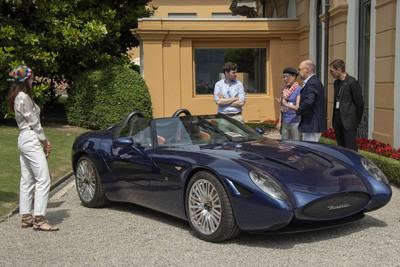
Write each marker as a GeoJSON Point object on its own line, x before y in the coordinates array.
{"type": "Point", "coordinates": [104, 96]}
{"type": "Point", "coordinates": [267, 126]}
{"type": "Point", "coordinates": [390, 167]}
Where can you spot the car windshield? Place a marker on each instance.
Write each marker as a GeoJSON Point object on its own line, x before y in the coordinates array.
{"type": "Point", "coordinates": [188, 130]}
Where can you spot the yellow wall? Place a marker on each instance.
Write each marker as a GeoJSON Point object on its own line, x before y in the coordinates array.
{"type": "Point", "coordinates": [384, 62]}
{"type": "Point", "coordinates": [337, 46]}
{"type": "Point", "coordinates": [168, 47]}
{"type": "Point", "coordinates": [384, 71]}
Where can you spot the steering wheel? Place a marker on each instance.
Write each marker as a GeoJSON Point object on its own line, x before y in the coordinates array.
{"type": "Point", "coordinates": [180, 111]}
{"type": "Point", "coordinates": [130, 116]}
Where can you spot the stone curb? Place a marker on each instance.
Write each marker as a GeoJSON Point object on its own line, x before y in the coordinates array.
{"type": "Point", "coordinates": [52, 187]}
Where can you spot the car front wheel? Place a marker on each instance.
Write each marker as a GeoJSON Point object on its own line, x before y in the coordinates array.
{"type": "Point", "coordinates": [88, 184]}
{"type": "Point", "coordinates": [209, 210]}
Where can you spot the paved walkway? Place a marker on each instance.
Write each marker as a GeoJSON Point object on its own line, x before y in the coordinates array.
{"type": "Point", "coordinates": [128, 235]}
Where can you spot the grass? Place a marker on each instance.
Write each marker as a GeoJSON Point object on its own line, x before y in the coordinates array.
{"type": "Point", "coordinates": [61, 139]}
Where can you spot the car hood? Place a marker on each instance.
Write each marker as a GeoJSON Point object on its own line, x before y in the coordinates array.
{"type": "Point", "coordinates": [299, 166]}
{"type": "Point", "coordinates": [277, 153]}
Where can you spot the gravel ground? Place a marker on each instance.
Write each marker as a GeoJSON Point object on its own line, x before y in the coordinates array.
{"type": "Point", "coordinates": [128, 235]}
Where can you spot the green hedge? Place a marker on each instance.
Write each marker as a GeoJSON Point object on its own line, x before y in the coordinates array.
{"type": "Point", "coordinates": [265, 125]}
{"type": "Point", "coordinates": [390, 167]}
{"type": "Point", "coordinates": [104, 96]}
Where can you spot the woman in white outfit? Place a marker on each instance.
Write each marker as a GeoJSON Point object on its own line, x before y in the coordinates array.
{"type": "Point", "coordinates": [35, 176]}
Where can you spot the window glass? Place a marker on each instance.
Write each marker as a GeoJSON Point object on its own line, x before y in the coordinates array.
{"type": "Point", "coordinates": [318, 40]}
{"type": "Point", "coordinates": [364, 62]}
{"type": "Point", "coordinates": [224, 16]}
{"type": "Point", "coordinates": [138, 130]}
{"type": "Point", "coordinates": [251, 68]}
{"type": "Point", "coordinates": [182, 15]}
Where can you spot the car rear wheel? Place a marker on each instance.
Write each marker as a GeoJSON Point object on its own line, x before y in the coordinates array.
{"type": "Point", "coordinates": [88, 184]}
{"type": "Point", "coordinates": [209, 210]}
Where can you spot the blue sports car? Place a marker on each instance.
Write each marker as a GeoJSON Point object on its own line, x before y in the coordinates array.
{"type": "Point", "coordinates": [223, 177]}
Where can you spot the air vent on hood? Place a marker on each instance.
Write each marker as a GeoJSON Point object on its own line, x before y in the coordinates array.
{"type": "Point", "coordinates": [276, 164]}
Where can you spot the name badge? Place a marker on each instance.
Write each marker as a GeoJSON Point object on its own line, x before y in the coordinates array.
{"type": "Point", "coordinates": [337, 104]}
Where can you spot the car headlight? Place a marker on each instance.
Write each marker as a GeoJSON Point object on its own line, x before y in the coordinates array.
{"type": "Point", "coordinates": [267, 185]}
{"type": "Point", "coordinates": [374, 171]}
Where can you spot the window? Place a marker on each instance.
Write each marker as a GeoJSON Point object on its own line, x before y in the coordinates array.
{"type": "Point", "coordinates": [251, 68]}
{"type": "Point", "coordinates": [224, 16]}
{"type": "Point", "coordinates": [318, 66]}
{"type": "Point", "coordinates": [364, 61]}
{"type": "Point", "coordinates": [291, 9]}
{"type": "Point", "coordinates": [365, 33]}
{"type": "Point", "coordinates": [182, 15]}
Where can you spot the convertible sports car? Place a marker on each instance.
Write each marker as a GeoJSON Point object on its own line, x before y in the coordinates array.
{"type": "Point", "coordinates": [224, 177]}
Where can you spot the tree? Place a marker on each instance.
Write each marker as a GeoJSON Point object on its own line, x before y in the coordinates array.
{"type": "Point", "coordinates": [59, 39]}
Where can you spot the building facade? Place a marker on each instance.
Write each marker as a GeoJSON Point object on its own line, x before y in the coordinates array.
{"type": "Point", "coordinates": [185, 43]}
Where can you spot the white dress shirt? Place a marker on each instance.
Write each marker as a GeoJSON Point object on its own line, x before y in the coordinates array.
{"type": "Point", "coordinates": [27, 115]}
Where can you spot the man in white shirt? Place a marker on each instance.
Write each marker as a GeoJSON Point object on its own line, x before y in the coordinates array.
{"type": "Point", "coordinates": [229, 93]}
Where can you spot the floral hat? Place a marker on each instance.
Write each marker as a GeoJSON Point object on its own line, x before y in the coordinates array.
{"type": "Point", "coordinates": [20, 74]}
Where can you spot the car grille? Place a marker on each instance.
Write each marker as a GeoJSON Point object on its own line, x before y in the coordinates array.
{"type": "Point", "coordinates": [335, 206]}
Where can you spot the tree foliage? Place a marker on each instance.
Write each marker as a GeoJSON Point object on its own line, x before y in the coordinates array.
{"type": "Point", "coordinates": [59, 39]}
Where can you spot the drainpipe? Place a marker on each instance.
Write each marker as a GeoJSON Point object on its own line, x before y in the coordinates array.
{"type": "Point", "coordinates": [326, 55]}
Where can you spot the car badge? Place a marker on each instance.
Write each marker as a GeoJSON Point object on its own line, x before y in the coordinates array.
{"type": "Point", "coordinates": [178, 168]}
{"type": "Point", "coordinates": [339, 207]}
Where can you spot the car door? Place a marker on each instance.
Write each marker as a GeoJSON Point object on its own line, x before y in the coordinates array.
{"type": "Point", "coordinates": [169, 164]}
{"type": "Point", "coordinates": [131, 165]}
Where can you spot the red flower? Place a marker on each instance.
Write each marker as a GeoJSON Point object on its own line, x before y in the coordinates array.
{"type": "Point", "coordinates": [372, 146]}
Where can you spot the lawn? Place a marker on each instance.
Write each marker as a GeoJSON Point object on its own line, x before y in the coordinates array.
{"type": "Point", "coordinates": [61, 138]}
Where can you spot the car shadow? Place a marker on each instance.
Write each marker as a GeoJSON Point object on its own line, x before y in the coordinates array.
{"type": "Point", "coordinates": [270, 240]}
{"type": "Point", "coordinates": [289, 240]}
{"type": "Point", "coordinates": [149, 214]}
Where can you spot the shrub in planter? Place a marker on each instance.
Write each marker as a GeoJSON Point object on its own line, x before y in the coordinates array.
{"type": "Point", "coordinates": [104, 96]}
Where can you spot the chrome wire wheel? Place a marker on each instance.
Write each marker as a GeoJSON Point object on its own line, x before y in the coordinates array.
{"type": "Point", "coordinates": [85, 180]}
{"type": "Point", "coordinates": [204, 205]}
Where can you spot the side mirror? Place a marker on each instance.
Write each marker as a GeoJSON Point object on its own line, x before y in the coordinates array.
{"type": "Point", "coordinates": [126, 141]}
{"type": "Point", "coordinates": [259, 130]}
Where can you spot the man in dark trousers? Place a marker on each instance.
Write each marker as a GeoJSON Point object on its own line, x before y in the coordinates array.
{"type": "Point", "coordinates": [312, 103]}
{"type": "Point", "coordinates": [348, 105]}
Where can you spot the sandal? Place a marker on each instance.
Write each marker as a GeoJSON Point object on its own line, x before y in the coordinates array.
{"type": "Point", "coordinates": [27, 221]}
{"type": "Point", "coordinates": [40, 224]}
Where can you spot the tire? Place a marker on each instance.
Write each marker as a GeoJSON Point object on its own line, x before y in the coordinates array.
{"type": "Point", "coordinates": [88, 184]}
{"type": "Point", "coordinates": [209, 209]}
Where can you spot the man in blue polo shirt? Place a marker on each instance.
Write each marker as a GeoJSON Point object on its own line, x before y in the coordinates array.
{"type": "Point", "coordinates": [229, 93]}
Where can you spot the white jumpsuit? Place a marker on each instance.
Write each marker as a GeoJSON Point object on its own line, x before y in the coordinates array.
{"type": "Point", "coordinates": [34, 169]}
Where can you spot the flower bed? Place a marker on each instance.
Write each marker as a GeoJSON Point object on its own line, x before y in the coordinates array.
{"type": "Point", "coordinates": [384, 156]}
{"type": "Point", "coordinates": [371, 146]}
